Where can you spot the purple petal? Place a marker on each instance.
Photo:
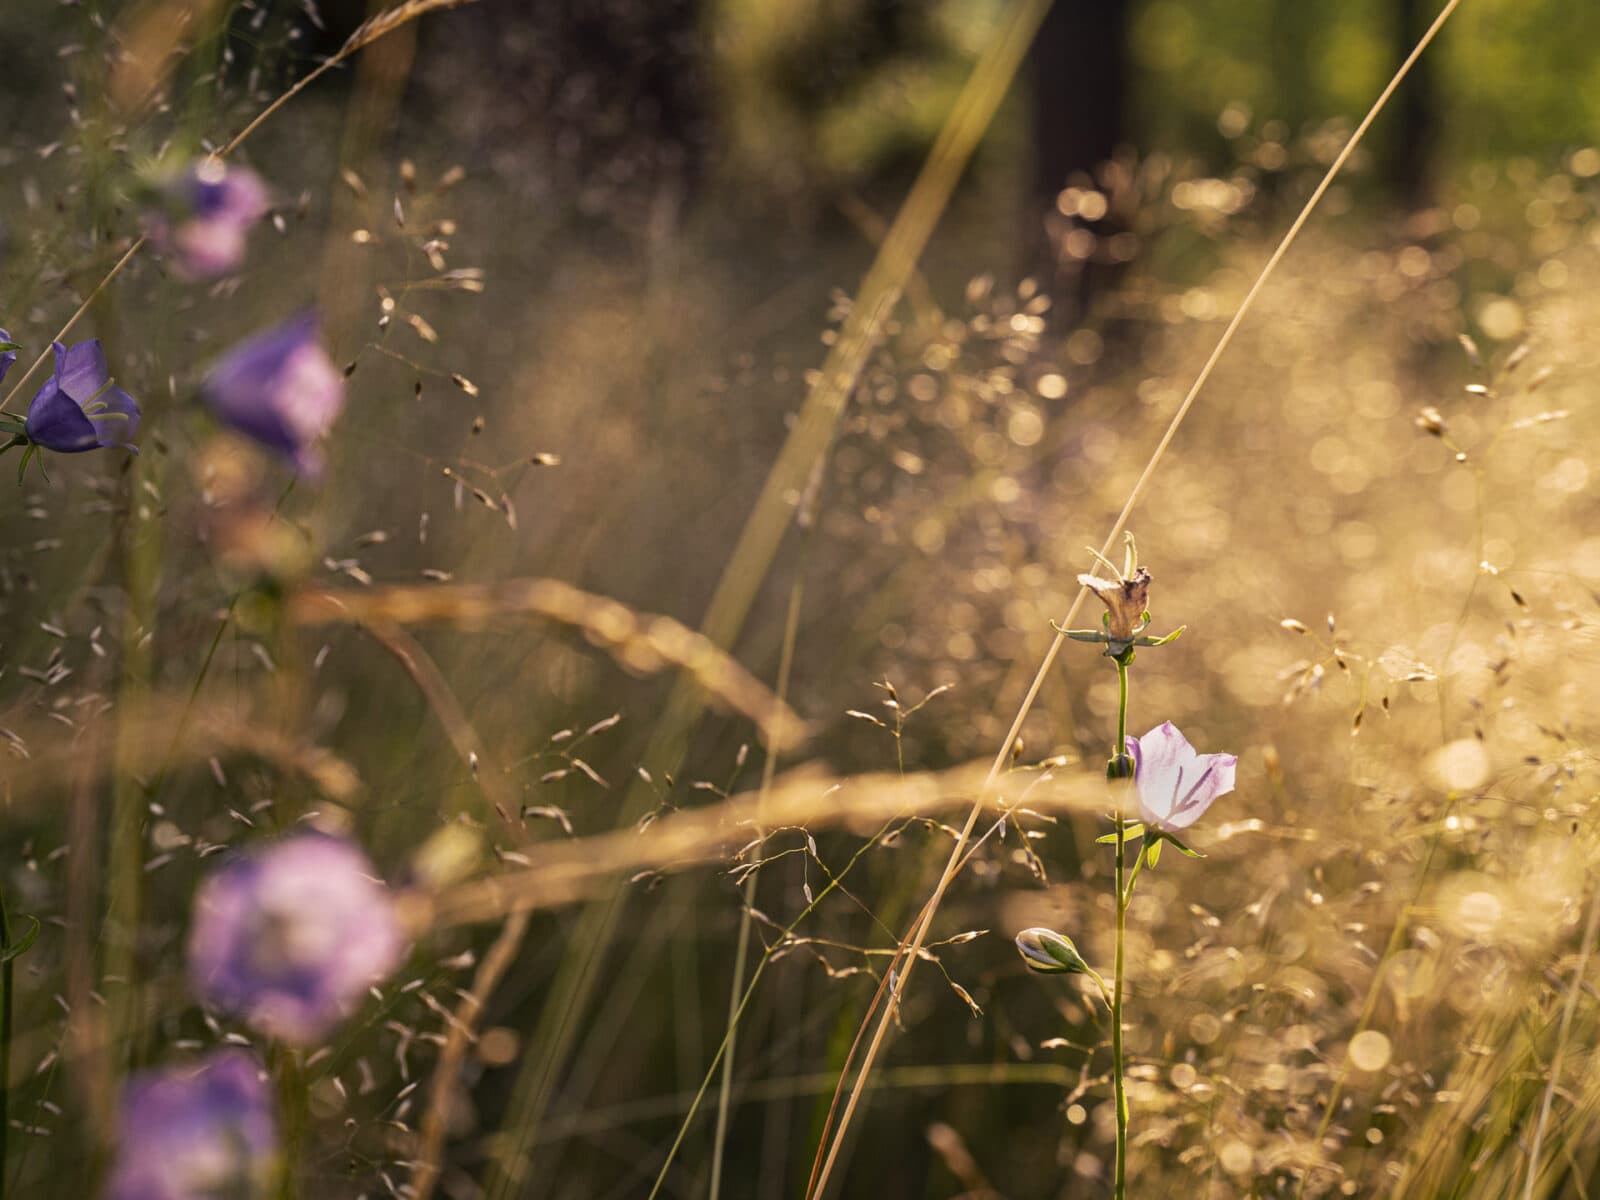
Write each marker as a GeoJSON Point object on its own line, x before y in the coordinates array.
{"type": "Point", "coordinates": [115, 416]}
{"type": "Point", "coordinates": [291, 937]}
{"type": "Point", "coordinates": [57, 423]}
{"type": "Point", "coordinates": [208, 248]}
{"type": "Point", "coordinates": [195, 1130]}
{"type": "Point", "coordinates": [1215, 778]}
{"type": "Point", "coordinates": [6, 357]}
{"type": "Point", "coordinates": [279, 388]}
{"type": "Point", "coordinates": [81, 369]}
{"type": "Point", "coordinates": [1176, 785]}
{"type": "Point", "coordinates": [222, 193]}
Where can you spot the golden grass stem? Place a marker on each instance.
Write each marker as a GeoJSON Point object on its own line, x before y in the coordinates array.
{"type": "Point", "coordinates": [641, 642]}
{"type": "Point", "coordinates": [918, 936]}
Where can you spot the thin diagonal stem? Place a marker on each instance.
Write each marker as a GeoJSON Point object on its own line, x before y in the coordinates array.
{"type": "Point", "coordinates": [912, 944]}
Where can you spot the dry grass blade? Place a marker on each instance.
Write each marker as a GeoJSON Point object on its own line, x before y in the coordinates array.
{"type": "Point", "coordinates": [640, 642]}
{"type": "Point", "coordinates": [431, 683]}
{"type": "Point", "coordinates": [204, 736]}
{"type": "Point", "coordinates": [913, 943]}
{"type": "Point", "coordinates": [566, 871]}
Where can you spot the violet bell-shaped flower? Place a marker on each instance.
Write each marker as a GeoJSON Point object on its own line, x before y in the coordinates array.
{"type": "Point", "coordinates": [290, 936]}
{"type": "Point", "coordinates": [196, 1132]}
{"type": "Point", "coordinates": [1175, 783]}
{"type": "Point", "coordinates": [78, 408]}
{"type": "Point", "coordinates": [281, 389]}
{"type": "Point", "coordinates": [205, 218]}
{"type": "Point", "coordinates": [8, 353]}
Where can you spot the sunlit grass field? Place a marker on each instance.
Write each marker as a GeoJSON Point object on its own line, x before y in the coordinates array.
{"type": "Point", "coordinates": [640, 606]}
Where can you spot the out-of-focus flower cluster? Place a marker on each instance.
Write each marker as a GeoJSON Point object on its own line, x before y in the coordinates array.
{"type": "Point", "coordinates": [288, 938]}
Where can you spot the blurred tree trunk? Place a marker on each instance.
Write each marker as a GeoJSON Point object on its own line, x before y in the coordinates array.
{"type": "Point", "coordinates": [1408, 169]}
{"type": "Point", "coordinates": [1080, 108]}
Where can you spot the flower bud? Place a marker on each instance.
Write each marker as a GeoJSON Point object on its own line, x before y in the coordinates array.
{"type": "Point", "coordinates": [1050, 953]}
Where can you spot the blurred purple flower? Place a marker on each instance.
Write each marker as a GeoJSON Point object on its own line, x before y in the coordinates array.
{"type": "Point", "coordinates": [7, 357]}
{"type": "Point", "coordinates": [280, 388]}
{"type": "Point", "coordinates": [78, 409]}
{"type": "Point", "coordinates": [1176, 785]}
{"type": "Point", "coordinates": [290, 936]}
{"type": "Point", "coordinates": [196, 1132]}
{"type": "Point", "coordinates": [206, 217]}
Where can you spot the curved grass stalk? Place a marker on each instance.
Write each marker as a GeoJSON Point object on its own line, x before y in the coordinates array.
{"type": "Point", "coordinates": [914, 941]}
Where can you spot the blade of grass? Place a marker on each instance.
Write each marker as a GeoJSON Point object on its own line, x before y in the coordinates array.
{"type": "Point", "coordinates": [757, 546]}
{"type": "Point", "coordinates": [828, 1151]}
{"type": "Point", "coordinates": [769, 768]}
{"type": "Point", "coordinates": [1578, 973]}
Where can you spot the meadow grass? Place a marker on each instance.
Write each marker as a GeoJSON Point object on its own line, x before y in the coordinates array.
{"type": "Point", "coordinates": [1375, 530]}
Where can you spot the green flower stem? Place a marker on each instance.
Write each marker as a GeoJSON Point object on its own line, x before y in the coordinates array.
{"type": "Point", "coordinates": [1121, 768]}
{"type": "Point", "coordinates": [1119, 755]}
{"type": "Point", "coordinates": [1138, 865]}
{"type": "Point", "coordinates": [1120, 1189]}
{"type": "Point", "coordinates": [294, 1110]}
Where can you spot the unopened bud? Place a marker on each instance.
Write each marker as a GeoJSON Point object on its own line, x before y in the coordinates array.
{"type": "Point", "coordinates": [1050, 953]}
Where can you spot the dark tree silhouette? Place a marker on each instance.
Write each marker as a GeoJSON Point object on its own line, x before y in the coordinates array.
{"type": "Point", "coordinates": [1408, 165]}
{"type": "Point", "coordinates": [1080, 108]}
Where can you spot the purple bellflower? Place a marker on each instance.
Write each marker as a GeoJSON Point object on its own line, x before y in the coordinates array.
{"type": "Point", "coordinates": [196, 1132]}
{"type": "Point", "coordinates": [8, 353]}
{"type": "Point", "coordinates": [77, 409]}
{"type": "Point", "coordinates": [290, 936]}
{"type": "Point", "coordinates": [1176, 785]}
{"type": "Point", "coordinates": [281, 389]}
{"type": "Point", "coordinates": [206, 216]}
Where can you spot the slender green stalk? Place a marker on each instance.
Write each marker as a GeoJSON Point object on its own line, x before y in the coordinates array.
{"type": "Point", "coordinates": [1120, 1189]}
{"type": "Point", "coordinates": [791, 632]}
{"type": "Point", "coordinates": [294, 1109]}
{"type": "Point", "coordinates": [1121, 768]}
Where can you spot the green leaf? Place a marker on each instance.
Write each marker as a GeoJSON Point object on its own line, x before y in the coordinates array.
{"type": "Point", "coordinates": [1152, 851]}
{"type": "Point", "coordinates": [1162, 641]}
{"type": "Point", "coordinates": [1081, 635]}
{"type": "Point", "coordinates": [1182, 849]}
{"type": "Point", "coordinates": [1130, 831]}
{"type": "Point", "coordinates": [4, 346]}
{"type": "Point", "coordinates": [20, 946]}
